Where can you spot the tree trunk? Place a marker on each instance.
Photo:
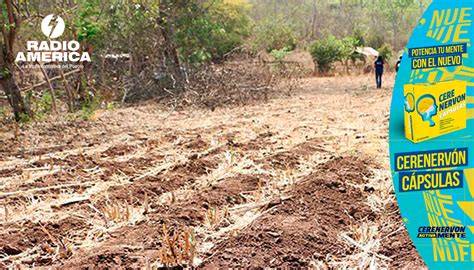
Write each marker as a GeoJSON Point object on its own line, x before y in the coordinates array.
{"type": "Point", "coordinates": [172, 62]}
{"type": "Point", "coordinates": [13, 93]}
{"type": "Point", "coordinates": [7, 76]}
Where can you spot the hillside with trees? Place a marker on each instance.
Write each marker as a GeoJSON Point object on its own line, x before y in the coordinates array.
{"type": "Point", "coordinates": [149, 49]}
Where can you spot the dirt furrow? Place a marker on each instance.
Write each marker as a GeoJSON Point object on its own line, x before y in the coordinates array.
{"type": "Point", "coordinates": [192, 210]}
{"type": "Point", "coordinates": [259, 186]}
{"type": "Point", "coordinates": [296, 232]}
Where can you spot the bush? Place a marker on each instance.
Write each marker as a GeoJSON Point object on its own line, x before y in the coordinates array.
{"type": "Point", "coordinates": [359, 37]}
{"type": "Point", "coordinates": [326, 51]}
{"type": "Point", "coordinates": [232, 16]}
{"type": "Point", "coordinates": [330, 49]}
{"type": "Point", "coordinates": [376, 40]}
{"type": "Point", "coordinates": [88, 107]}
{"type": "Point", "coordinates": [280, 54]}
{"type": "Point", "coordinates": [212, 34]}
{"type": "Point", "coordinates": [274, 34]}
{"type": "Point", "coordinates": [386, 51]}
{"type": "Point", "coordinates": [349, 45]}
{"type": "Point", "coordinates": [44, 104]}
{"type": "Point", "coordinates": [88, 29]}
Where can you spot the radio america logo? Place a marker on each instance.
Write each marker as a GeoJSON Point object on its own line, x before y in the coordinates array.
{"type": "Point", "coordinates": [53, 26]}
{"type": "Point", "coordinates": [50, 50]}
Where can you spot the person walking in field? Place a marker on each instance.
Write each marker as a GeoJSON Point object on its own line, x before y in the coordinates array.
{"type": "Point", "coordinates": [379, 71]}
{"type": "Point", "coordinates": [399, 62]}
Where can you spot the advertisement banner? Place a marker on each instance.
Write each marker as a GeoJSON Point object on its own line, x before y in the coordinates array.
{"type": "Point", "coordinates": [431, 136]}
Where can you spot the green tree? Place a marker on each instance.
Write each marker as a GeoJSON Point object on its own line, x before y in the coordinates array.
{"type": "Point", "coordinates": [210, 30]}
{"type": "Point", "coordinates": [386, 51]}
{"type": "Point", "coordinates": [327, 51]}
{"type": "Point", "coordinates": [273, 34]}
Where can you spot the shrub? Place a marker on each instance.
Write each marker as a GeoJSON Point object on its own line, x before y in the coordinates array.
{"type": "Point", "coordinates": [327, 51]}
{"type": "Point", "coordinates": [89, 106]}
{"type": "Point", "coordinates": [386, 51]}
{"type": "Point", "coordinates": [212, 34]}
{"type": "Point", "coordinates": [349, 45]}
{"type": "Point", "coordinates": [44, 104]}
{"type": "Point", "coordinates": [88, 29]}
{"type": "Point", "coordinates": [359, 36]}
{"type": "Point", "coordinates": [280, 54]}
{"type": "Point", "coordinates": [330, 49]}
{"type": "Point", "coordinates": [273, 34]}
{"type": "Point", "coordinates": [232, 16]}
{"type": "Point", "coordinates": [376, 40]}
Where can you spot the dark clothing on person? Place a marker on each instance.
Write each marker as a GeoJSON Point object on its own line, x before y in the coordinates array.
{"type": "Point", "coordinates": [397, 66]}
{"type": "Point", "coordinates": [379, 66]}
{"type": "Point", "coordinates": [379, 71]}
{"type": "Point", "coordinates": [378, 79]}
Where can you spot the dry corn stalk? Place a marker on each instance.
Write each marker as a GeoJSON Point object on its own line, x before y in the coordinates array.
{"type": "Point", "coordinates": [179, 249]}
{"type": "Point", "coordinates": [214, 217]}
{"type": "Point", "coordinates": [145, 204]}
{"type": "Point", "coordinates": [64, 248]}
{"type": "Point", "coordinates": [259, 193]}
{"type": "Point", "coordinates": [115, 212]}
{"type": "Point", "coordinates": [7, 214]}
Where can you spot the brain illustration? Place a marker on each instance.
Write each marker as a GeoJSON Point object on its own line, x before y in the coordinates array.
{"type": "Point", "coordinates": [425, 104]}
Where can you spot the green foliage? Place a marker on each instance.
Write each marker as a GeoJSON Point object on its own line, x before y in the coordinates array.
{"type": "Point", "coordinates": [87, 23]}
{"type": "Point", "coordinates": [348, 48]}
{"type": "Point", "coordinates": [329, 50]}
{"type": "Point", "coordinates": [193, 38]}
{"type": "Point", "coordinates": [232, 17]}
{"type": "Point", "coordinates": [386, 51]}
{"type": "Point", "coordinates": [110, 106]}
{"type": "Point", "coordinates": [358, 35]}
{"type": "Point", "coordinates": [207, 30]}
{"type": "Point", "coordinates": [4, 112]}
{"type": "Point", "coordinates": [88, 107]}
{"type": "Point", "coordinates": [389, 20]}
{"type": "Point", "coordinates": [25, 118]}
{"type": "Point", "coordinates": [131, 28]}
{"type": "Point", "coordinates": [205, 34]}
{"type": "Point", "coordinates": [44, 104]}
{"type": "Point", "coordinates": [350, 45]}
{"type": "Point", "coordinates": [325, 52]}
{"type": "Point", "coordinates": [280, 54]}
{"type": "Point", "coordinates": [376, 41]}
{"type": "Point", "coordinates": [90, 101]}
{"type": "Point", "coordinates": [4, 72]}
{"type": "Point", "coordinates": [273, 34]}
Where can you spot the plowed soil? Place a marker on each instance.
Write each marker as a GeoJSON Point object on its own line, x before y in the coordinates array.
{"type": "Point", "coordinates": [298, 230]}
{"type": "Point", "coordinates": [298, 181]}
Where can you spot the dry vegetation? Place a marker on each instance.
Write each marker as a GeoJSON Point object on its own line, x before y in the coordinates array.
{"type": "Point", "coordinates": [298, 181]}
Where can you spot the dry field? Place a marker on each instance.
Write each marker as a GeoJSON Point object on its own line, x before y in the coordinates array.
{"type": "Point", "coordinates": [300, 181]}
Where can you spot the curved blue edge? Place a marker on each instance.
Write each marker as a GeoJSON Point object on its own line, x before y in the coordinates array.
{"type": "Point", "coordinates": [412, 205]}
